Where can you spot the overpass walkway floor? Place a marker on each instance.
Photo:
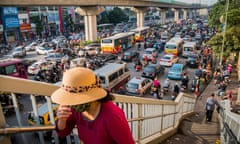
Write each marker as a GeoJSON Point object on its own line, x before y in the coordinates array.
{"type": "Point", "coordinates": [195, 129]}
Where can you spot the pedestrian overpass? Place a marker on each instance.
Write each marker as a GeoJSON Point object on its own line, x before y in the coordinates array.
{"type": "Point", "coordinates": [90, 9]}
{"type": "Point", "coordinates": [151, 121]}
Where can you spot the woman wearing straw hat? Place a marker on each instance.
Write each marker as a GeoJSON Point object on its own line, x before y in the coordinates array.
{"type": "Point", "coordinates": [84, 103]}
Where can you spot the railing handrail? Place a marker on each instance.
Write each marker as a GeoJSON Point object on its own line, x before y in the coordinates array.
{"type": "Point", "coordinates": [140, 112]}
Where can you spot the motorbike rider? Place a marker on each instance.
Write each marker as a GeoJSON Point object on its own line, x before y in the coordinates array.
{"type": "Point", "coordinates": [156, 87]}
{"type": "Point", "coordinates": [176, 89]}
{"type": "Point", "coordinates": [184, 81]}
{"type": "Point", "coordinates": [166, 84]}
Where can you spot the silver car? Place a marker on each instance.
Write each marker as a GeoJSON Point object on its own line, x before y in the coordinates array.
{"type": "Point", "coordinates": [19, 52]}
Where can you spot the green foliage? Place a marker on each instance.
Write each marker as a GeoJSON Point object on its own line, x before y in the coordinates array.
{"type": "Point", "coordinates": [232, 35]}
{"type": "Point", "coordinates": [117, 16]}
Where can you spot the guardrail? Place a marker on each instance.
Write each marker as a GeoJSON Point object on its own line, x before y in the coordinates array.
{"type": "Point", "coordinates": [230, 124]}
{"type": "Point", "coordinates": [149, 119]}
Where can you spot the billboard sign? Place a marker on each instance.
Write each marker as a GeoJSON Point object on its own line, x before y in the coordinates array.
{"type": "Point", "coordinates": [11, 21]}
{"type": "Point", "coordinates": [10, 11]}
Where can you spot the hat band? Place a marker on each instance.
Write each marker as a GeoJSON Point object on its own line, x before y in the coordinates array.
{"type": "Point", "coordinates": [80, 89]}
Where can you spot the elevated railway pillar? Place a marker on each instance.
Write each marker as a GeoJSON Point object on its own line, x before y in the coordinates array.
{"type": "Point", "coordinates": [176, 14]}
{"type": "Point", "coordinates": [90, 20]}
{"type": "Point", "coordinates": [163, 15]}
{"type": "Point", "coordinates": [185, 13]}
{"type": "Point", "coordinates": [140, 15]}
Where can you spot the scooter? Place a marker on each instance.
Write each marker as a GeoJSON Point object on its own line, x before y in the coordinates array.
{"type": "Point", "coordinates": [138, 67]}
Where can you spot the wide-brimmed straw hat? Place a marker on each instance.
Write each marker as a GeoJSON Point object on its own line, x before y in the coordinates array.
{"type": "Point", "coordinates": [79, 85]}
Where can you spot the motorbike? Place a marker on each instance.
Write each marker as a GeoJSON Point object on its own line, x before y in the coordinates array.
{"type": "Point", "coordinates": [138, 67]}
{"type": "Point", "coordinates": [165, 90]}
{"type": "Point", "coordinates": [155, 92]}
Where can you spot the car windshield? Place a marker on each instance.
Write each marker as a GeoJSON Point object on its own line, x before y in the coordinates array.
{"type": "Point", "coordinates": [149, 69]}
{"type": "Point", "coordinates": [166, 58]}
{"type": "Point", "coordinates": [127, 54]}
{"type": "Point", "coordinates": [47, 48]}
{"type": "Point", "coordinates": [171, 46]}
{"type": "Point", "coordinates": [147, 52]}
{"type": "Point", "coordinates": [132, 85]}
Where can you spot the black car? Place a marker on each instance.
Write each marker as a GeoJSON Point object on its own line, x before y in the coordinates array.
{"type": "Point", "coordinates": [193, 61]}
{"type": "Point", "coordinates": [130, 56]}
{"type": "Point", "coordinates": [152, 71]}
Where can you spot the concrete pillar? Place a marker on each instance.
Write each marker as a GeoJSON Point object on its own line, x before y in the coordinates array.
{"type": "Point", "coordinates": [176, 14]}
{"type": "Point", "coordinates": [90, 20]}
{"type": "Point", "coordinates": [190, 14]}
{"type": "Point", "coordinates": [184, 14]}
{"type": "Point", "coordinates": [140, 15]}
{"type": "Point", "coordinates": [163, 15]}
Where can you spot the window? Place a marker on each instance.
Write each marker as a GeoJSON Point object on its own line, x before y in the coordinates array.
{"type": "Point", "coordinates": [10, 69]}
{"type": "Point", "coordinates": [171, 46]}
{"type": "Point", "coordinates": [113, 76]}
{"type": "Point", "coordinates": [103, 80]}
{"type": "Point", "coordinates": [106, 41]}
{"type": "Point", "coordinates": [120, 72]}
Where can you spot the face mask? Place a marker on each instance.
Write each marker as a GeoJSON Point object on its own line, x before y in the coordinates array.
{"type": "Point", "coordinates": [81, 107]}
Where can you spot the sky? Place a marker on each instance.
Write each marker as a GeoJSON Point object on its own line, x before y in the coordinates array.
{"type": "Point", "coordinates": [208, 2]}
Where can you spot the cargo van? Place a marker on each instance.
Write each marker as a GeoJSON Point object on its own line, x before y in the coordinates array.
{"type": "Point", "coordinates": [189, 48]}
{"type": "Point", "coordinates": [44, 116]}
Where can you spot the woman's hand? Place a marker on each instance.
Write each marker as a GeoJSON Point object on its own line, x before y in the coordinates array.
{"type": "Point", "coordinates": [62, 114]}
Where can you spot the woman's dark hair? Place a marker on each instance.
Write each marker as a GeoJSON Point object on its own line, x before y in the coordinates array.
{"type": "Point", "coordinates": [108, 97]}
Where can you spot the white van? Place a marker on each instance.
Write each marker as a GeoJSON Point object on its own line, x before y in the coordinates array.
{"type": "Point", "coordinates": [188, 48]}
{"type": "Point", "coordinates": [78, 62]}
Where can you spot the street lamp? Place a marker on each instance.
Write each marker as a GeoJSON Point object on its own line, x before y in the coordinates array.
{"type": "Point", "coordinates": [224, 32]}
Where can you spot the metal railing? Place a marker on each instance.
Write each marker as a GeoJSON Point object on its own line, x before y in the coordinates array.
{"type": "Point", "coordinates": [149, 119]}
{"type": "Point", "coordinates": [230, 124]}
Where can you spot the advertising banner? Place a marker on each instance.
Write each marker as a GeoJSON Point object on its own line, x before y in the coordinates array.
{"type": "Point", "coordinates": [10, 11]}
{"type": "Point", "coordinates": [11, 21]}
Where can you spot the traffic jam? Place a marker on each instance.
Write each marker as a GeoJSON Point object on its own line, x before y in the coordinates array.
{"type": "Point", "coordinates": [152, 62]}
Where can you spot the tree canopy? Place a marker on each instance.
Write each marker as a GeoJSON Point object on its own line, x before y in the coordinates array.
{"type": "Point", "coordinates": [232, 30]}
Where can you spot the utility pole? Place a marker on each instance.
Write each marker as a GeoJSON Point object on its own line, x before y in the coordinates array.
{"type": "Point", "coordinates": [224, 32]}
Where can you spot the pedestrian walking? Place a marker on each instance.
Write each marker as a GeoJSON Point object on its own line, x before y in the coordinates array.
{"type": "Point", "coordinates": [210, 106]}
{"type": "Point", "coordinates": [86, 105]}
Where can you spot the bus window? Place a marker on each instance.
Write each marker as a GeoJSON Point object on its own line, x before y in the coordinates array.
{"type": "Point", "coordinates": [171, 46]}
{"type": "Point", "coordinates": [106, 41]}
{"type": "Point", "coordinates": [103, 80]}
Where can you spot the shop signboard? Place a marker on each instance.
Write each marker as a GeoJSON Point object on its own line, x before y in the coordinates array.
{"type": "Point", "coordinates": [10, 11]}
{"type": "Point", "coordinates": [11, 21]}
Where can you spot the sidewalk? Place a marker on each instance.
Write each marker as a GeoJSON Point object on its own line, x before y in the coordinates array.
{"type": "Point", "coordinates": [195, 129]}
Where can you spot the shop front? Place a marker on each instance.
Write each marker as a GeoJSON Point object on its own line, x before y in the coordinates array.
{"type": "Point", "coordinates": [26, 31]}
{"type": "Point", "coordinates": [11, 25]}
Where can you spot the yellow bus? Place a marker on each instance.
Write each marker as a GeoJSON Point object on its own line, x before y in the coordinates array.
{"type": "Point", "coordinates": [174, 46]}
{"type": "Point", "coordinates": [140, 33]}
{"type": "Point", "coordinates": [117, 43]}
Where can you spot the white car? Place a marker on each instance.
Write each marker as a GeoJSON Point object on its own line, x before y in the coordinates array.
{"type": "Point", "coordinates": [35, 67]}
{"type": "Point", "coordinates": [31, 46]}
{"type": "Point", "coordinates": [150, 53]}
{"type": "Point", "coordinates": [43, 50]}
{"type": "Point", "coordinates": [169, 60]}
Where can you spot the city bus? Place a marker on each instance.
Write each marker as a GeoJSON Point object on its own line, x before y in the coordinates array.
{"type": "Point", "coordinates": [113, 76]}
{"type": "Point", "coordinates": [140, 33]}
{"type": "Point", "coordinates": [117, 43]}
{"type": "Point", "coordinates": [174, 46]}
{"type": "Point", "coordinates": [103, 27]}
{"type": "Point", "coordinates": [13, 67]}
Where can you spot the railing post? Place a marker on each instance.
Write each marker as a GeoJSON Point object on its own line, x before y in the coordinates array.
{"type": "Point", "coordinates": [3, 139]}
{"type": "Point", "coordinates": [36, 117]}
{"type": "Point", "coordinates": [162, 118]}
{"type": "Point", "coordinates": [139, 121]}
{"type": "Point", "coordinates": [49, 103]}
{"type": "Point", "coordinates": [15, 104]}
